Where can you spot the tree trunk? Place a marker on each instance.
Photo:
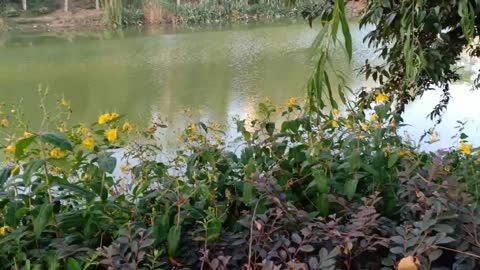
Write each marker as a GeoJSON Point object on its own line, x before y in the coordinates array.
{"type": "Point", "coordinates": [65, 6]}
{"type": "Point", "coordinates": [97, 4]}
{"type": "Point", "coordinates": [24, 5]}
{"type": "Point", "coordinates": [178, 3]}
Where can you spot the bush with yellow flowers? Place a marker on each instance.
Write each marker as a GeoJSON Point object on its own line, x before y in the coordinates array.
{"type": "Point", "coordinates": [295, 190]}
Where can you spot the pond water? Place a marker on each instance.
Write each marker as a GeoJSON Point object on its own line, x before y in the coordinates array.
{"type": "Point", "coordinates": [214, 73]}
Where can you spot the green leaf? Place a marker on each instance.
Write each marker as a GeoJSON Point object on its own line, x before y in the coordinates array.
{"type": "Point", "coordinates": [21, 145]}
{"type": "Point", "coordinates": [72, 264]}
{"type": "Point", "coordinates": [173, 240]}
{"type": "Point", "coordinates": [86, 194]}
{"type": "Point", "coordinates": [43, 218]}
{"type": "Point", "coordinates": [335, 22]}
{"type": "Point", "coordinates": [107, 163]}
{"type": "Point", "coordinates": [353, 160]}
{"type": "Point", "coordinates": [392, 159]}
{"type": "Point", "coordinates": [30, 169]}
{"type": "Point", "coordinates": [161, 227]}
{"type": "Point", "coordinates": [322, 204]}
{"type": "Point", "coordinates": [247, 192]}
{"type": "Point", "coordinates": [321, 181]}
{"type": "Point", "coordinates": [5, 173]}
{"type": "Point", "coordinates": [351, 188]}
{"type": "Point", "coordinates": [396, 250]}
{"type": "Point", "coordinates": [346, 35]}
{"type": "Point", "coordinates": [11, 218]}
{"type": "Point", "coordinates": [270, 127]}
{"type": "Point", "coordinates": [214, 229]}
{"type": "Point", "coordinates": [57, 139]}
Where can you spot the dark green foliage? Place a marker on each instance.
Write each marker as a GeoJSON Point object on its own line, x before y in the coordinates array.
{"type": "Point", "coordinates": [419, 43]}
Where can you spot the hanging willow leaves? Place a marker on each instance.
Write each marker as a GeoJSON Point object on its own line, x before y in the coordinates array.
{"type": "Point", "coordinates": [332, 15]}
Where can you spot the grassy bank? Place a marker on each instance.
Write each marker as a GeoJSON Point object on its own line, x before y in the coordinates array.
{"type": "Point", "coordinates": [82, 15]}
{"type": "Point", "coordinates": [336, 190]}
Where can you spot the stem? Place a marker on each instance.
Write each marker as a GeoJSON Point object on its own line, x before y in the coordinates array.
{"type": "Point", "coordinates": [250, 244]}
{"type": "Point", "coordinates": [50, 197]}
{"type": "Point", "coordinates": [458, 251]}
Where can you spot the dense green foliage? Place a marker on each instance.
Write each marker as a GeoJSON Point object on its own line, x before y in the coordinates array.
{"type": "Point", "coordinates": [140, 12]}
{"type": "Point", "coordinates": [300, 188]}
{"type": "Point", "coordinates": [339, 191]}
{"type": "Point", "coordinates": [418, 41]}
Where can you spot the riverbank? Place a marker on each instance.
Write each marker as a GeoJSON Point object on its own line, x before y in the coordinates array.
{"type": "Point", "coordinates": [151, 15]}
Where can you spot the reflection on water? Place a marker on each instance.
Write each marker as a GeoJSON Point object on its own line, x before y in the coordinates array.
{"type": "Point", "coordinates": [213, 73]}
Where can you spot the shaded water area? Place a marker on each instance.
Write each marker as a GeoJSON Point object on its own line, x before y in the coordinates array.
{"type": "Point", "coordinates": [214, 73]}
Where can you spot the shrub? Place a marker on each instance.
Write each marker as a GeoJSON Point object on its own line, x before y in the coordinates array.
{"type": "Point", "coordinates": [336, 190]}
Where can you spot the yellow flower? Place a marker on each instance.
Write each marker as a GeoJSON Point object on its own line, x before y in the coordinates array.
{"type": "Point", "coordinates": [387, 150]}
{"type": "Point", "coordinates": [374, 117]}
{"type": "Point", "coordinates": [465, 148]}
{"type": "Point", "coordinates": [407, 263]}
{"type": "Point", "coordinates": [10, 149]}
{"type": "Point", "coordinates": [334, 123]}
{"type": "Point", "coordinates": [124, 168]}
{"type": "Point", "coordinates": [111, 134]}
{"type": "Point", "coordinates": [63, 127]}
{"type": "Point", "coordinates": [113, 116]}
{"type": "Point", "coordinates": [192, 128]}
{"type": "Point", "coordinates": [292, 102]}
{"type": "Point", "coordinates": [364, 126]}
{"type": "Point", "coordinates": [434, 138]}
{"type": "Point", "coordinates": [57, 153]}
{"type": "Point", "coordinates": [15, 170]}
{"type": "Point", "coordinates": [335, 113]}
{"type": "Point", "coordinates": [102, 119]}
{"type": "Point", "coordinates": [381, 98]}
{"type": "Point", "coordinates": [107, 117]}
{"type": "Point", "coordinates": [27, 134]}
{"type": "Point", "coordinates": [4, 230]}
{"type": "Point", "coordinates": [65, 103]}
{"type": "Point", "coordinates": [85, 131]}
{"type": "Point", "coordinates": [378, 125]}
{"type": "Point", "coordinates": [127, 127]}
{"type": "Point", "coordinates": [89, 143]}
{"type": "Point", "coordinates": [404, 153]}
{"type": "Point", "coordinates": [57, 170]}
{"type": "Point", "coordinates": [4, 123]}
{"type": "Point", "coordinates": [348, 125]}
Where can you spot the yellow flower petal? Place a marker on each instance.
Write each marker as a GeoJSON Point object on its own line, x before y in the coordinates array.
{"type": "Point", "coordinates": [127, 127]}
{"type": "Point", "coordinates": [111, 134]}
{"type": "Point", "coordinates": [89, 143]}
{"type": "Point", "coordinates": [107, 117]}
{"type": "Point", "coordinates": [4, 230]}
{"type": "Point", "coordinates": [10, 149]}
{"type": "Point", "coordinates": [381, 98]}
{"type": "Point", "coordinates": [364, 126]}
{"type": "Point", "coordinates": [65, 103]}
{"type": "Point", "coordinates": [334, 123]}
{"type": "Point", "coordinates": [4, 123]}
{"type": "Point", "coordinates": [27, 134]}
{"type": "Point", "coordinates": [292, 102]}
{"type": "Point", "coordinates": [465, 148]}
{"type": "Point", "coordinates": [57, 153]}
{"type": "Point", "coordinates": [15, 170]}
